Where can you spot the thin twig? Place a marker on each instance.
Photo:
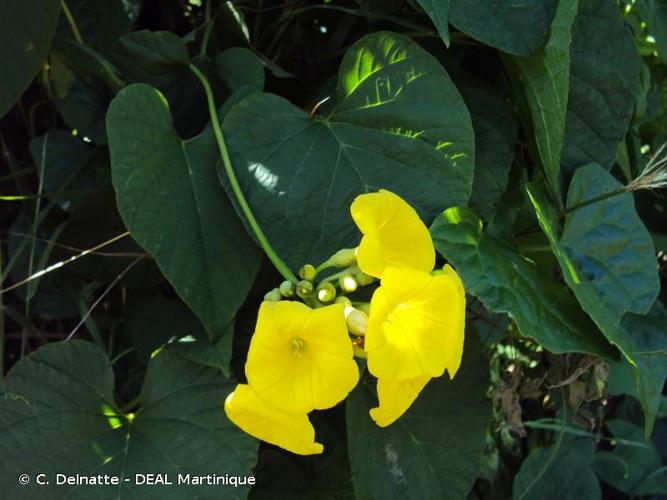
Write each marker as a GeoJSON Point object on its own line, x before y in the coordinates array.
{"type": "Point", "coordinates": [104, 294]}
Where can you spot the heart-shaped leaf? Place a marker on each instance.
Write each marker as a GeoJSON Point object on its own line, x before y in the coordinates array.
{"type": "Point", "coordinates": [399, 124]}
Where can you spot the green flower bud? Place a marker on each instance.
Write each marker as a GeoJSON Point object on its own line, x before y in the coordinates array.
{"type": "Point", "coordinates": [347, 283]}
{"type": "Point", "coordinates": [344, 300]}
{"type": "Point", "coordinates": [273, 296]}
{"type": "Point", "coordinates": [304, 289]}
{"type": "Point", "coordinates": [365, 307]}
{"type": "Point", "coordinates": [357, 321]}
{"type": "Point", "coordinates": [287, 288]}
{"type": "Point", "coordinates": [363, 279]}
{"type": "Point", "coordinates": [344, 258]}
{"type": "Point", "coordinates": [307, 272]}
{"type": "Point", "coordinates": [326, 292]}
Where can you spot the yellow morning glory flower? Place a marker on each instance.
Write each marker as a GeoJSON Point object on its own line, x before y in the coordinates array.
{"type": "Point", "coordinates": [300, 359]}
{"type": "Point", "coordinates": [395, 397]}
{"type": "Point", "coordinates": [393, 234]}
{"type": "Point", "coordinates": [294, 433]}
{"type": "Point", "coordinates": [415, 325]}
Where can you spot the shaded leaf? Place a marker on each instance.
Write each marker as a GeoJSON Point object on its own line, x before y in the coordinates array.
{"type": "Point", "coordinates": [26, 32]}
{"type": "Point", "coordinates": [563, 471]}
{"type": "Point", "coordinates": [505, 281]}
{"type": "Point", "coordinates": [518, 28]}
{"type": "Point", "coordinates": [438, 11]}
{"type": "Point", "coordinates": [58, 415]}
{"type": "Point", "coordinates": [604, 80]}
{"type": "Point", "coordinates": [434, 449]}
{"type": "Point", "coordinates": [608, 260]}
{"type": "Point", "coordinates": [399, 124]}
{"type": "Point", "coordinates": [634, 466]}
{"type": "Point", "coordinates": [171, 202]}
{"type": "Point", "coordinates": [545, 78]}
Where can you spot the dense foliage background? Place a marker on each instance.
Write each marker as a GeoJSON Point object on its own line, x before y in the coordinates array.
{"type": "Point", "coordinates": [536, 127]}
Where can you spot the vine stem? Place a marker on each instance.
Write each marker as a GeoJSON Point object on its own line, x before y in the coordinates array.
{"type": "Point", "coordinates": [231, 175]}
{"type": "Point", "coordinates": [71, 22]}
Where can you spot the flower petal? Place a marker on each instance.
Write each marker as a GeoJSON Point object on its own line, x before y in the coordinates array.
{"type": "Point", "coordinates": [394, 235]}
{"type": "Point", "coordinates": [293, 432]}
{"type": "Point", "coordinates": [301, 359]}
{"type": "Point", "coordinates": [395, 397]}
{"type": "Point", "coordinates": [415, 325]}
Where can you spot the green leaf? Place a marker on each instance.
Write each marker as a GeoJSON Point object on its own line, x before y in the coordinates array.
{"type": "Point", "coordinates": [495, 128]}
{"type": "Point", "coordinates": [238, 67]}
{"type": "Point", "coordinates": [438, 11]}
{"type": "Point", "coordinates": [505, 281]}
{"type": "Point", "coordinates": [151, 319]}
{"type": "Point", "coordinates": [26, 32]}
{"type": "Point", "coordinates": [399, 124]}
{"type": "Point", "coordinates": [150, 57]}
{"type": "Point", "coordinates": [434, 449]}
{"type": "Point", "coordinates": [58, 415]}
{"type": "Point", "coordinates": [604, 80]}
{"type": "Point", "coordinates": [608, 260]}
{"type": "Point", "coordinates": [518, 28]}
{"type": "Point", "coordinates": [634, 466]}
{"type": "Point", "coordinates": [171, 202]}
{"type": "Point", "coordinates": [545, 78]}
{"type": "Point", "coordinates": [649, 336]}
{"type": "Point", "coordinates": [562, 471]}
{"type": "Point", "coordinates": [654, 14]}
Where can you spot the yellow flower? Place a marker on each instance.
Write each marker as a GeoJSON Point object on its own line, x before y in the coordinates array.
{"type": "Point", "coordinates": [415, 325]}
{"type": "Point", "coordinates": [300, 359]}
{"type": "Point", "coordinates": [393, 234]}
{"type": "Point", "coordinates": [395, 397]}
{"type": "Point", "coordinates": [294, 433]}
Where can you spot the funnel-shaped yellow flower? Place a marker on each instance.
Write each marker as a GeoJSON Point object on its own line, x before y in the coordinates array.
{"type": "Point", "coordinates": [415, 325]}
{"type": "Point", "coordinates": [291, 432]}
{"type": "Point", "coordinates": [395, 397]}
{"type": "Point", "coordinates": [393, 234]}
{"type": "Point", "coordinates": [300, 359]}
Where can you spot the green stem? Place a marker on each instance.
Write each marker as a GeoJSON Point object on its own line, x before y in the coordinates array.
{"type": "Point", "coordinates": [71, 22]}
{"type": "Point", "coordinates": [233, 181]}
{"type": "Point", "coordinates": [350, 270]}
{"type": "Point", "coordinates": [207, 29]}
{"type": "Point", "coordinates": [596, 199]}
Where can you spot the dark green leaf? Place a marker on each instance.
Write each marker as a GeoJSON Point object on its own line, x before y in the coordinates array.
{"type": "Point", "coordinates": [518, 28]}
{"type": "Point", "coordinates": [495, 128]}
{"type": "Point", "coordinates": [608, 260]}
{"type": "Point", "coordinates": [434, 449]}
{"type": "Point", "coordinates": [505, 281]}
{"type": "Point", "coordinates": [559, 471]}
{"type": "Point", "coordinates": [399, 124]}
{"type": "Point", "coordinates": [438, 11]}
{"type": "Point", "coordinates": [58, 415]}
{"type": "Point", "coordinates": [635, 466]}
{"type": "Point", "coordinates": [171, 202]}
{"type": "Point", "coordinates": [26, 31]}
{"type": "Point", "coordinates": [238, 67]}
{"type": "Point", "coordinates": [545, 78]}
{"type": "Point", "coordinates": [604, 80]}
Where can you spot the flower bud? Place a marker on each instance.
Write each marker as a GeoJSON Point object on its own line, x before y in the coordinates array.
{"type": "Point", "coordinates": [344, 258]}
{"type": "Point", "coordinates": [347, 283]}
{"type": "Point", "coordinates": [357, 321]}
{"type": "Point", "coordinates": [287, 288]}
{"type": "Point", "coordinates": [273, 296]}
{"type": "Point", "coordinates": [344, 300]}
{"type": "Point", "coordinates": [365, 307]}
{"type": "Point", "coordinates": [304, 289]}
{"type": "Point", "coordinates": [363, 279]}
{"type": "Point", "coordinates": [307, 272]}
{"type": "Point", "coordinates": [326, 292]}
